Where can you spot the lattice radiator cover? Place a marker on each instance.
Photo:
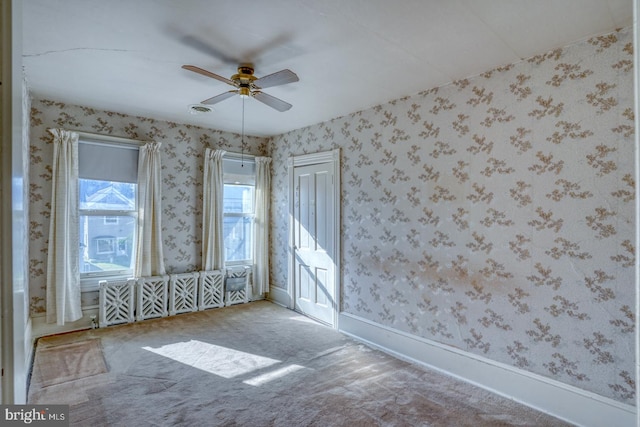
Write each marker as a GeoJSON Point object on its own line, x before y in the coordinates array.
{"type": "Point", "coordinates": [238, 296]}
{"type": "Point", "coordinates": [125, 301]}
{"type": "Point", "coordinates": [116, 302]}
{"type": "Point", "coordinates": [183, 293]}
{"type": "Point", "coordinates": [211, 289]}
{"type": "Point", "coordinates": [152, 297]}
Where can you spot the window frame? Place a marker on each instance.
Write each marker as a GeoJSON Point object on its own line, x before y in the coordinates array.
{"type": "Point", "coordinates": [89, 281]}
{"type": "Point", "coordinates": [251, 216]}
{"type": "Point", "coordinates": [250, 181]}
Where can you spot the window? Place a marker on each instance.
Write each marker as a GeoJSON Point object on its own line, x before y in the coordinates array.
{"type": "Point", "coordinates": [107, 210]}
{"type": "Point", "coordinates": [239, 210]}
{"type": "Point", "coordinates": [238, 223]}
{"type": "Point", "coordinates": [106, 241]}
{"type": "Point", "coordinates": [105, 245]}
{"type": "Point", "coordinates": [110, 220]}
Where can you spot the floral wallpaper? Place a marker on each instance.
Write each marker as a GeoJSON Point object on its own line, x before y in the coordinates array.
{"type": "Point", "coordinates": [182, 164]}
{"type": "Point", "coordinates": [494, 214]}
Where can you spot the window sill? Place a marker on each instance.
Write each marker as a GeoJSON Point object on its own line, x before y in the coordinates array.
{"type": "Point", "coordinates": [235, 264]}
{"type": "Point", "coordinates": [92, 284]}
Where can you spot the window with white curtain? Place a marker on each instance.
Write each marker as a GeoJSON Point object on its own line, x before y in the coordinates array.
{"type": "Point", "coordinates": [239, 175]}
{"type": "Point", "coordinates": [108, 173]}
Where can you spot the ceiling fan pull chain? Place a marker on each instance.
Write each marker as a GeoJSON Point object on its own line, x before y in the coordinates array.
{"type": "Point", "coordinates": [242, 137]}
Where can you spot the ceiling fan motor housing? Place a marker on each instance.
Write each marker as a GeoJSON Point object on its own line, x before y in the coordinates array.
{"type": "Point", "coordinates": [244, 79]}
{"type": "Point", "coordinates": [245, 69]}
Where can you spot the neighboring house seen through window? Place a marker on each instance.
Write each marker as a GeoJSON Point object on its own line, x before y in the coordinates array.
{"type": "Point", "coordinates": [111, 219]}
{"type": "Point", "coordinates": [107, 210]}
{"type": "Point", "coordinates": [239, 210]}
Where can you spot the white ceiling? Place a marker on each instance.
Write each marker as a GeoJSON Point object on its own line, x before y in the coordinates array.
{"type": "Point", "coordinates": [126, 55]}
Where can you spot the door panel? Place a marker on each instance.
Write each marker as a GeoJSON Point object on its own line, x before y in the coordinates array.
{"type": "Point", "coordinates": [313, 241]}
{"type": "Point", "coordinates": [304, 220]}
{"type": "Point", "coordinates": [322, 232]}
{"type": "Point", "coordinates": [321, 279]}
{"type": "Point", "coordinates": [304, 282]}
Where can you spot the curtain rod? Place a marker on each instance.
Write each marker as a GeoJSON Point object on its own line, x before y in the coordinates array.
{"type": "Point", "coordinates": [109, 138]}
{"type": "Point", "coordinates": [128, 141]}
{"type": "Point", "coordinates": [238, 156]}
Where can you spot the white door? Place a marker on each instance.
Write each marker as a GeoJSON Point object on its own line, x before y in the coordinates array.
{"type": "Point", "coordinates": [313, 238]}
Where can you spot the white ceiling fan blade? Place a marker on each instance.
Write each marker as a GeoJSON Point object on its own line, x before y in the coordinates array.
{"type": "Point", "coordinates": [208, 48]}
{"type": "Point", "coordinates": [276, 79]}
{"type": "Point", "coordinates": [272, 101]}
{"type": "Point", "coordinates": [219, 98]}
{"type": "Point", "coordinates": [209, 74]}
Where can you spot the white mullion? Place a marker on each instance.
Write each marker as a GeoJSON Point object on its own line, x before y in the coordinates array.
{"type": "Point", "coordinates": [239, 214]}
{"type": "Point", "coordinates": [92, 212]}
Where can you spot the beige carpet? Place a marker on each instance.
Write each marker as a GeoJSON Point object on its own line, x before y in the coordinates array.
{"type": "Point", "coordinates": [254, 364]}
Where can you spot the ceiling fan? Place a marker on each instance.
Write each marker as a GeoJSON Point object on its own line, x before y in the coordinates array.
{"type": "Point", "coordinates": [249, 85]}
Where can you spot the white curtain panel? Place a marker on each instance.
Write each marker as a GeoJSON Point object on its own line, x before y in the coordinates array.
{"type": "Point", "coordinates": [63, 272]}
{"type": "Point", "coordinates": [149, 256]}
{"type": "Point", "coordinates": [212, 213]}
{"type": "Point", "coordinates": [261, 247]}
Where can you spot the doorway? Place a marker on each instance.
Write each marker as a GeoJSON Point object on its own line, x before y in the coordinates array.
{"type": "Point", "coordinates": [314, 249]}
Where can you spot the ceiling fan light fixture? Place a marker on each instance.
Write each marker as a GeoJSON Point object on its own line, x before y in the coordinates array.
{"type": "Point", "coordinates": [244, 91]}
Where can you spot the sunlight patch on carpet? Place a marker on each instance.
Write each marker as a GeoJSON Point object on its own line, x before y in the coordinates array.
{"type": "Point", "coordinates": [273, 375]}
{"type": "Point", "coordinates": [214, 359]}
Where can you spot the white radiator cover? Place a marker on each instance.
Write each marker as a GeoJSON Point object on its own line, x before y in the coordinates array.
{"type": "Point", "coordinates": [129, 300]}
{"type": "Point", "coordinates": [117, 302]}
{"type": "Point", "coordinates": [211, 290]}
{"type": "Point", "coordinates": [152, 297]}
{"type": "Point", "coordinates": [241, 295]}
{"type": "Point", "coordinates": [183, 293]}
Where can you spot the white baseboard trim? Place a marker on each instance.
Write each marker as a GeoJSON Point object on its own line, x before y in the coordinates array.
{"type": "Point", "coordinates": [279, 296]}
{"type": "Point", "coordinates": [41, 328]}
{"type": "Point", "coordinates": [553, 397]}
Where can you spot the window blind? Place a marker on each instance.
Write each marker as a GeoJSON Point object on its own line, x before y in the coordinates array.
{"type": "Point", "coordinates": [238, 171]}
{"type": "Point", "coordinates": [107, 162]}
